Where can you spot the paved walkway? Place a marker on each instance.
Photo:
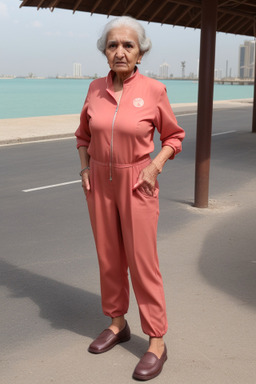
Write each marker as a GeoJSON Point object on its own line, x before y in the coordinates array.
{"type": "Point", "coordinates": [208, 262]}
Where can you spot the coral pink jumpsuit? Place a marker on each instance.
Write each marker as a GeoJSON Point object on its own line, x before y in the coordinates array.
{"type": "Point", "coordinates": [119, 137]}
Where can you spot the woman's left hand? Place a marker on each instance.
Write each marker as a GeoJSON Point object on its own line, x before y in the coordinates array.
{"type": "Point", "coordinates": [147, 179]}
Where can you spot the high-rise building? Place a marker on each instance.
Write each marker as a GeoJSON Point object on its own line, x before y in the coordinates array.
{"type": "Point", "coordinates": [217, 74]}
{"type": "Point", "coordinates": [246, 60]}
{"type": "Point", "coordinates": [164, 70]}
{"type": "Point", "coordinates": [183, 66]}
{"type": "Point", "coordinates": [77, 70]}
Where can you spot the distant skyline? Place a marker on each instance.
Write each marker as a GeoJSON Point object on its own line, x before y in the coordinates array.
{"type": "Point", "coordinates": [47, 43]}
{"type": "Point", "coordinates": [77, 69]}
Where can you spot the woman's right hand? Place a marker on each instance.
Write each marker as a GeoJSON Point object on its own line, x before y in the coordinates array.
{"type": "Point", "coordinates": [86, 181]}
{"type": "Point", "coordinates": [85, 165]}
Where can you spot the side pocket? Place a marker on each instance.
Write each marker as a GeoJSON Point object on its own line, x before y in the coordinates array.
{"type": "Point", "coordinates": [154, 196]}
{"type": "Point", "coordinates": [136, 171]}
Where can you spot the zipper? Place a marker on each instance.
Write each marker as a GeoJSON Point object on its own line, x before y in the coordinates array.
{"type": "Point", "coordinates": [112, 136]}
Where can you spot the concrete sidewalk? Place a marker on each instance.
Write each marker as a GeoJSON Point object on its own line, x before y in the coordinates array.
{"type": "Point", "coordinates": [22, 130]}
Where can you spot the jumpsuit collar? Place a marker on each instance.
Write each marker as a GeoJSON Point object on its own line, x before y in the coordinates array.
{"type": "Point", "coordinates": [129, 81]}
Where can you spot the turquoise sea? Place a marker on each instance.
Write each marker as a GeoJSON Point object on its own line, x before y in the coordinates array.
{"type": "Point", "coordinates": [45, 97]}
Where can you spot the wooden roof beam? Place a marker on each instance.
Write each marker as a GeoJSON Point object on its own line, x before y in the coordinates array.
{"type": "Point", "coordinates": [144, 9]}
{"type": "Point", "coordinates": [95, 6]}
{"type": "Point", "coordinates": [238, 3]}
{"type": "Point", "coordinates": [76, 5]}
{"type": "Point", "coordinates": [231, 26]}
{"type": "Point", "coordinates": [196, 16]}
{"type": "Point", "coordinates": [225, 2]}
{"type": "Point", "coordinates": [191, 3]}
{"type": "Point", "coordinates": [231, 3]}
{"type": "Point", "coordinates": [226, 22]}
{"type": "Point", "coordinates": [198, 25]}
{"type": "Point", "coordinates": [235, 13]}
{"type": "Point", "coordinates": [113, 7]}
{"type": "Point", "coordinates": [222, 16]}
{"type": "Point", "coordinates": [170, 13]}
{"type": "Point", "coordinates": [53, 4]}
{"type": "Point", "coordinates": [129, 7]}
{"type": "Point", "coordinates": [23, 3]}
{"type": "Point", "coordinates": [242, 24]}
{"type": "Point", "coordinates": [238, 23]}
{"type": "Point", "coordinates": [247, 30]}
{"type": "Point", "coordinates": [182, 15]}
{"type": "Point", "coordinates": [40, 5]}
{"type": "Point", "coordinates": [159, 9]}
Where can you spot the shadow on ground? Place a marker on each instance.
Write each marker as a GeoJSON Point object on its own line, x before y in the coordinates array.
{"type": "Point", "coordinates": [228, 259]}
{"type": "Point", "coordinates": [64, 306]}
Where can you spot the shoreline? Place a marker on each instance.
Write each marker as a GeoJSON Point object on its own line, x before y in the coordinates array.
{"type": "Point", "coordinates": [42, 128]}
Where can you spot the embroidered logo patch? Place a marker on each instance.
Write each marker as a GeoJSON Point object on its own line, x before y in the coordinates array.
{"type": "Point", "coordinates": [138, 102]}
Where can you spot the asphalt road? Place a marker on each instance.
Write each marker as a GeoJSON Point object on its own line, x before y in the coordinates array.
{"type": "Point", "coordinates": [48, 270]}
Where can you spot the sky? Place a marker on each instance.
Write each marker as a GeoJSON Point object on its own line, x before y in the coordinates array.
{"type": "Point", "coordinates": [47, 43]}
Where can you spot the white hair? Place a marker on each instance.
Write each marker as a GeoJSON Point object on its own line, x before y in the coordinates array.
{"type": "Point", "coordinates": [144, 42]}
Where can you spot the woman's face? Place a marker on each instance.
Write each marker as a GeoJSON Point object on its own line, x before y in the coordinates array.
{"type": "Point", "coordinates": [122, 50]}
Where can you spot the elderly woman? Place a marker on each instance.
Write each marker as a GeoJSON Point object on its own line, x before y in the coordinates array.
{"type": "Point", "coordinates": [114, 140]}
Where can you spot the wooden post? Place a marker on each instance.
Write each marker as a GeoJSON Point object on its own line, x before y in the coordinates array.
{"type": "Point", "coordinates": [205, 101]}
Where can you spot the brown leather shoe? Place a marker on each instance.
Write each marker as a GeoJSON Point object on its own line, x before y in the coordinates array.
{"type": "Point", "coordinates": [107, 340]}
{"type": "Point", "coordinates": [149, 366]}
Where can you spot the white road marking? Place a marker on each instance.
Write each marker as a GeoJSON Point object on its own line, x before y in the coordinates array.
{"type": "Point", "coordinates": [214, 134]}
{"type": "Point", "coordinates": [50, 186]}
{"type": "Point", "coordinates": [222, 133]}
{"type": "Point", "coordinates": [186, 114]}
{"type": "Point", "coordinates": [79, 181]}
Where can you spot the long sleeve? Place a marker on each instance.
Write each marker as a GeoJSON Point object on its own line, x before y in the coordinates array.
{"type": "Point", "coordinates": [83, 135]}
{"type": "Point", "coordinates": [165, 122]}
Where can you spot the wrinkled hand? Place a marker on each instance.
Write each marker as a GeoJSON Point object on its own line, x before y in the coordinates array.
{"type": "Point", "coordinates": [147, 179]}
{"type": "Point", "coordinates": [86, 181]}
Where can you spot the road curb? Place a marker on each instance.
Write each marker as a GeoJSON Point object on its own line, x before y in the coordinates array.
{"type": "Point", "coordinates": [27, 140]}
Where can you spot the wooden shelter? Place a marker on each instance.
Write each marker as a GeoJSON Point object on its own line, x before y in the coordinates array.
{"type": "Point", "coordinates": [211, 16]}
